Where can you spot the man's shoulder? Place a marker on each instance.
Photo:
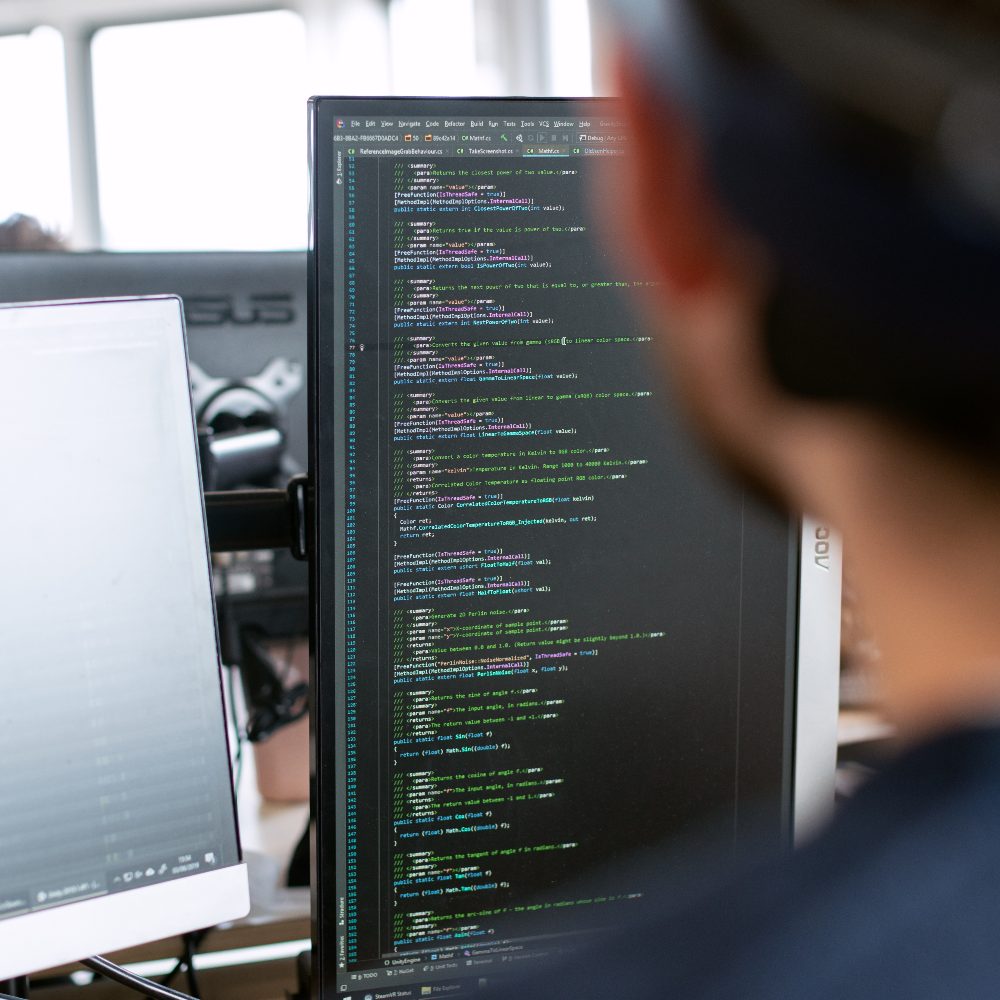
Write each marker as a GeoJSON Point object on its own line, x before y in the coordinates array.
{"type": "Point", "coordinates": [900, 896]}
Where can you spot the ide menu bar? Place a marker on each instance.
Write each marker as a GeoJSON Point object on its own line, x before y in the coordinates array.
{"type": "Point", "coordinates": [436, 135]}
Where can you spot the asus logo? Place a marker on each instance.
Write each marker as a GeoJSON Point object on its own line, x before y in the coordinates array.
{"type": "Point", "coordinates": [218, 310]}
{"type": "Point", "coordinates": [821, 548]}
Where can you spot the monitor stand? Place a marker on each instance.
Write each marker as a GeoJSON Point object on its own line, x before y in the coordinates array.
{"type": "Point", "coordinates": [240, 520]}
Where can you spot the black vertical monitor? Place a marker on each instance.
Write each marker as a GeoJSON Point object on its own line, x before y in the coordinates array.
{"type": "Point", "coordinates": [548, 636]}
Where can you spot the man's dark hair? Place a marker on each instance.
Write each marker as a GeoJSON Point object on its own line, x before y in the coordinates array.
{"type": "Point", "coordinates": [860, 141]}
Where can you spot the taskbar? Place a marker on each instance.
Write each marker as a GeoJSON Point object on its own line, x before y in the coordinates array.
{"type": "Point", "coordinates": [455, 972]}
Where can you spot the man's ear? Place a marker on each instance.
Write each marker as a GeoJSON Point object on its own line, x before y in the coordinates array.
{"type": "Point", "coordinates": [666, 206]}
{"type": "Point", "coordinates": [709, 280]}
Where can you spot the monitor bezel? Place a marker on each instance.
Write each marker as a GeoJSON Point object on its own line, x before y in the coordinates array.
{"type": "Point", "coordinates": [817, 678]}
{"type": "Point", "coordinates": [811, 732]}
{"type": "Point", "coordinates": [41, 939]}
{"type": "Point", "coordinates": [243, 309]}
{"type": "Point", "coordinates": [46, 938]}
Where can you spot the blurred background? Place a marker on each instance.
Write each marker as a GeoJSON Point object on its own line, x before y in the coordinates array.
{"type": "Point", "coordinates": [172, 126]}
{"type": "Point", "coordinates": [181, 124]}
{"type": "Point", "coordinates": [153, 128]}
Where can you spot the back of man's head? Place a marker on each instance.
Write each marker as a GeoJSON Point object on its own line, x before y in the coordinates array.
{"type": "Point", "coordinates": [815, 195]}
{"type": "Point", "coordinates": [858, 142]}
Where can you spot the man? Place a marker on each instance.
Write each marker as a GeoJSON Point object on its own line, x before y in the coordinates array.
{"type": "Point", "coordinates": [758, 275]}
{"type": "Point", "coordinates": [24, 232]}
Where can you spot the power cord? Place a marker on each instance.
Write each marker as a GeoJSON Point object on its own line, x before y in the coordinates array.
{"type": "Point", "coordinates": [185, 963]}
{"type": "Point", "coordinates": [19, 984]}
{"type": "Point", "coordinates": [226, 614]}
{"type": "Point", "coordinates": [102, 967]}
{"type": "Point", "coordinates": [240, 736]}
{"type": "Point", "coordinates": [130, 980]}
{"type": "Point", "coordinates": [272, 704]}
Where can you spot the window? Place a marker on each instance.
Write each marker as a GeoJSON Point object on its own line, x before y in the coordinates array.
{"type": "Point", "coordinates": [433, 49]}
{"type": "Point", "coordinates": [201, 133]}
{"type": "Point", "coordinates": [569, 48]}
{"type": "Point", "coordinates": [34, 168]}
{"type": "Point", "coordinates": [199, 122]}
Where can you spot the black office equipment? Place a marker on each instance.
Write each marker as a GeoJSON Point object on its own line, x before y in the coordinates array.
{"type": "Point", "coordinates": [547, 636]}
{"type": "Point", "coordinates": [245, 315]}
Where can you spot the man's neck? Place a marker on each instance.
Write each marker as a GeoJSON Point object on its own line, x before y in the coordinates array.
{"type": "Point", "coordinates": [922, 530]}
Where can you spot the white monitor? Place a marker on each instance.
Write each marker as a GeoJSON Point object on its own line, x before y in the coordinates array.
{"type": "Point", "coordinates": [118, 823]}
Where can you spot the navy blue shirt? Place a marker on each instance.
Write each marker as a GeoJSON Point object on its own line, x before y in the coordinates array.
{"type": "Point", "coordinates": [899, 897]}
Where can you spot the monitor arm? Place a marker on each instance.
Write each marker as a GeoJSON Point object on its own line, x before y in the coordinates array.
{"type": "Point", "coordinates": [241, 520]}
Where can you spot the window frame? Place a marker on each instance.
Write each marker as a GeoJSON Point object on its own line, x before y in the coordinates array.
{"type": "Point", "coordinates": [520, 55]}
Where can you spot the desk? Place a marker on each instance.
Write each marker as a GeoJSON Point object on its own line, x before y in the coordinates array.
{"type": "Point", "coordinates": [859, 725]}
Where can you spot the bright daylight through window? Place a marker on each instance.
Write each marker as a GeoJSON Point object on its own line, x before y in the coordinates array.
{"type": "Point", "coordinates": [200, 133]}
{"type": "Point", "coordinates": [34, 168]}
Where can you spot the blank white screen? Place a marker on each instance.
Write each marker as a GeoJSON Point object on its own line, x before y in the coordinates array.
{"type": "Point", "coordinates": [116, 769]}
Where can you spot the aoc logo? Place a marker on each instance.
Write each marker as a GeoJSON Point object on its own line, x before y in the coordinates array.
{"type": "Point", "coordinates": [821, 548]}
{"type": "Point", "coordinates": [275, 309]}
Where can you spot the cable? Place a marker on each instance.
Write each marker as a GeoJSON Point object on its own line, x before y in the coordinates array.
{"type": "Point", "coordinates": [133, 982]}
{"type": "Point", "coordinates": [291, 643]}
{"type": "Point", "coordinates": [271, 704]}
{"type": "Point", "coordinates": [225, 617]}
{"type": "Point", "coordinates": [192, 940]}
{"type": "Point", "coordinates": [237, 729]}
{"type": "Point", "coordinates": [192, 975]}
{"type": "Point", "coordinates": [19, 984]}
